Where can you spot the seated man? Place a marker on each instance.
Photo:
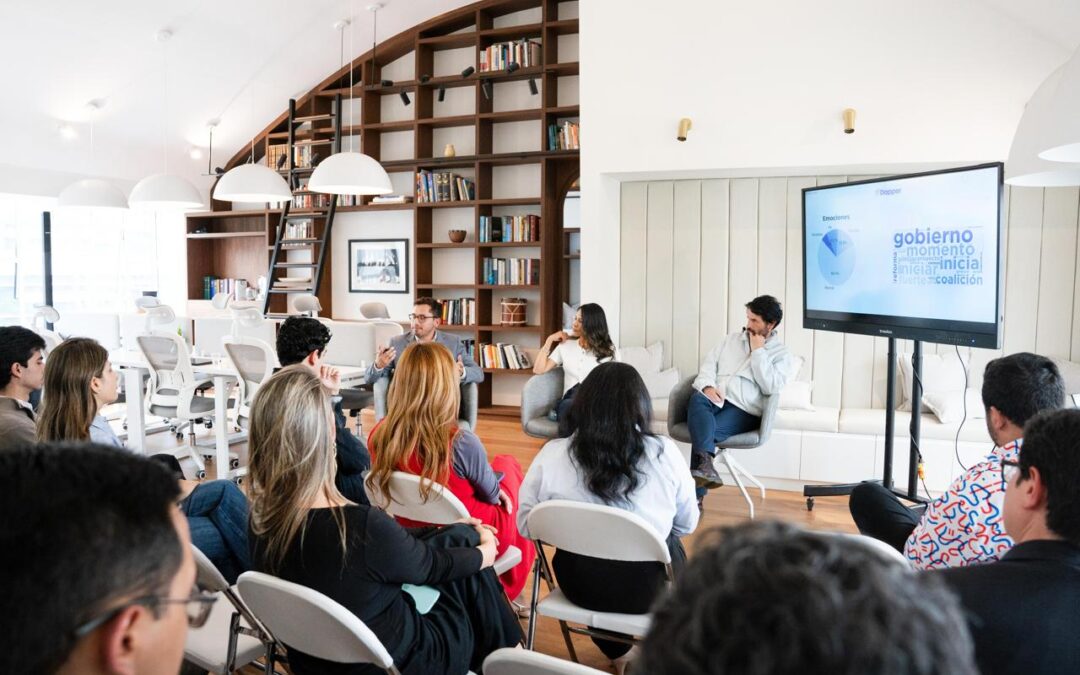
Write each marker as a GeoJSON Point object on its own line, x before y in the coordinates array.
{"type": "Point", "coordinates": [771, 599]}
{"type": "Point", "coordinates": [98, 570]}
{"type": "Point", "coordinates": [963, 525]}
{"type": "Point", "coordinates": [303, 340]}
{"type": "Point", "coordinates": [426, 319]}
{"type": "Point", "coordinates": [1024, 610]}
{"type": "Point", "coordinates": [22, 368]}
{"type": "Point", "coordinates": [737, 374]}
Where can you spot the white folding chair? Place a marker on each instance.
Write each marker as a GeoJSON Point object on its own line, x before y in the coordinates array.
{"type": "Point", "coordinates": [304, 619]}
{"type": "Point", "coordinates": [876, 545]}
{"type": "Point", "coordinates": [441, 508]}
{"type": "Point", "coordinates": [597, 531]}
{"type": "Point", "coordinates": [510, 661]}
{"type": "Point", "coordinates": [231, 638]}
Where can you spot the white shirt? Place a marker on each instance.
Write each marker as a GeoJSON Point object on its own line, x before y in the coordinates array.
{"type": "Point", "coordinates": [575, 361]}
{"type": "Point", "coordinates": [744, 377]}
{"type": "Point", "coordinates": [665, 498]}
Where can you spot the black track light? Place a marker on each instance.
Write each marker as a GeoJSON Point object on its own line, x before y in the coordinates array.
{"type": "Point", "coordinates": [533, 89]}
{"type": "Point", "coordinates": [424, 79]}
{"type": "Point", "coordinates": [468, 71]}
{"type": "Point", "coordinates": [442, 92]}
{"type": "Point", "coordinates": [281, 160]}
{"type": "Point", "coordinates": [512, 66]}
{"type": "Point", "coordinates": [387, 83]}
{"type": "Point", "coordinates": [404, 97]}
{"type": "Point", "coordinates": [486, 87]}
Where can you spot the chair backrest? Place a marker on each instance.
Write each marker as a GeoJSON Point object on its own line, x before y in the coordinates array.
{"type": "Point", "coordinates": [470, 401]}
{"type": "Point", "coordinates": [598, 531]}
{"type": "Point", "coordinates": [306, 620]}
{"type": "Point", "coordinates": [876, 545]}
{"type": "Point", "coordinates": [172, 381]}
{"type": "Point", "coordinates": [540, 394]}
{"type": "Point", "coordinates": [511, 661]}
{"type": "Point", "coordinates": [374, 310]}
{"type": "Point", "coordinates": [133, 325]}
{"type": "Point", "coordinates": [254, 361]}
{"type": "Point", "coordinates": [207, 576]}
{"type": "Point", "coordinates": [352, 344]}
{"type": "Point", "coordinates": [441, 508]}
{"type": "Point", "coordinates": [679, 400]}
{"type": "Point", "coordinates": [385, 331]}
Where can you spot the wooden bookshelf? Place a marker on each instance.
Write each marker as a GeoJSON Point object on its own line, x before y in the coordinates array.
{"type": "Point", "coordinates": [477, 27]}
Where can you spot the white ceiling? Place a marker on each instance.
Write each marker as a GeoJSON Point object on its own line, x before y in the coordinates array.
{"type": "Point", "coordinates": [241, 60]}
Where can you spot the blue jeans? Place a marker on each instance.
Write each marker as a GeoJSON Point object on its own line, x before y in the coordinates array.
{"type": "Point", "coordinates": [217, 514]}
{"type": "Point", "coordinates": [710, 425]}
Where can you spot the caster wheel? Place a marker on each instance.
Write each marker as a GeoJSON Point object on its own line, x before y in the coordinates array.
{"type": "Point", "coordinates": [809, 503]}
{"type": "Point", "coordinates": [199, 475]}
{"type": "Point", "coordinates": [239, 480]}
{"type": "Point", "coordinates": [172, 428]}
{"type": "Point", "coordinates": [208, 425]}
{"type": "Point", "coordinates": [208, 458]}
{"type": "Point", "coordinates": [124, 425]}
{"type": "Point", "coordinates": [234, 464]}
{"type": "Point", "coordinates": [179, 436]}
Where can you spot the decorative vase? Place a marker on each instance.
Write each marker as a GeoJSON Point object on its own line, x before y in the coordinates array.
{"type": "Point", "coordinates": [457, 236]}
{"type": "Point", "coordinates": [449, 150]}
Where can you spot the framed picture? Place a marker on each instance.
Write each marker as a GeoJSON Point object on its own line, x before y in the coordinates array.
{"type": "Point", "coordinates": [378, 265]}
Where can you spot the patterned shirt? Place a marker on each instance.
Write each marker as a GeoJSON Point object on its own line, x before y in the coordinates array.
{"type": "Point", "coordinates": [964, 526]}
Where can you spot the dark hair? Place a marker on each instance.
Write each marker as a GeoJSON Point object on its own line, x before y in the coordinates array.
{"type": "Point", "coordinates": [594, 326]}
{"type": "Point", "coordinates": [1052, 445]}
{"type": "Point", "coordinates": [610, 418]}
{"type": "Point", "coordinates": [298, 336]}
{"type": "Point", "coordinates": [769, 598]}
{"type": "Point", "coordinates": [767, 307]}
{"type": "Point", "coordinates": [17, 345]}
{"type": "Point", "coordinates": [85, 525]}
{"type": "Point", "coordinates": [433, 305]}
{"type": "Point", "coordinates": [1021, 385]}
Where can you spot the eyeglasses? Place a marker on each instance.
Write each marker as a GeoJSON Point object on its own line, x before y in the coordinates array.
{"type": "Point", "coordinates": [420, 317]}
{"type": "Point", "coordinates": [1009, 469]}
{"type": "Point", "coordinates": [198, 606]}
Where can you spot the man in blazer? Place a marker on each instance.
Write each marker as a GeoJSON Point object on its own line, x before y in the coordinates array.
{"type": "Point", "coordinates": [426, 319]}
{"type": "Point", "coordinates": [1024, 610]}
{"type": "Point", "coordinates": [22, 369]}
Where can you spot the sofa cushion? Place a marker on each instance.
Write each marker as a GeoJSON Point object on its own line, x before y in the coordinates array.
{"type": "Point", "coordinates": [659, 410]}
{"type": "Point", "coordinates": [949, 406]}
{"type": "Point", "coordinates": [796, 396]}
{"type": "Point", "coordinates": [822, 419]}
{"type": "Point", "coordinates": [1070, 374]}
{"type": "Point", "coordinates": [872, 423]}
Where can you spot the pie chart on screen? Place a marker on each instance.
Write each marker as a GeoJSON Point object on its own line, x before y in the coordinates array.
{"type": "Point", "coordinates": [836, 257]}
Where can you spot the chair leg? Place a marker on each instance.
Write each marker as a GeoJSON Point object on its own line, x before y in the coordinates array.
{"type": "Point", "coordinates": [532, 606]}
{"type": "Point", "coordinates": [569, 641]}
{"type": "Point", "coordinates": [732, 462]}
{"type": "Point", "coordinates": [738, 479]}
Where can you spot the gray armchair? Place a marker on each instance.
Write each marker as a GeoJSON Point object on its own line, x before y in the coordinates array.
{"type": "Point", "coordinates": [470, 402]}
{"type": "Point", "coordinates": [678, 402]}
{"type": "Point", "coordinates": [539, 396]}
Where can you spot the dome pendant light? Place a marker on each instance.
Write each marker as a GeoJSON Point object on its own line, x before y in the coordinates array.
{"type": "Point", "coordinates": [352, 173]}
{"type": "Point", "coordinates": [92, 193]}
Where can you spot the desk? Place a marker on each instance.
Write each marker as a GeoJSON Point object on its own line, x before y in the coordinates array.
{"type": "Point", "coordinates": [133, 365]}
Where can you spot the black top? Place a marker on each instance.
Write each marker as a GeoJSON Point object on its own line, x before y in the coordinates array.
{"type": "Point", "coordinates": [381, 555]}
{"type": "Point", "coordinates": [1024, 610]}
{"type": "Point", "coordinates": [353, 459]}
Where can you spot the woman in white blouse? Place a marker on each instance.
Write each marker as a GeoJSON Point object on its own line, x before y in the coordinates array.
{"type": "Point", "coordinates": [612, 459]}
{"type": "Point", "coordinates": [578, 353]}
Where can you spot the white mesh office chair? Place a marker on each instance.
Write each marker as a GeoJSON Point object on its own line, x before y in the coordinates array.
{"type": "Point", "coordinates": [467, 413]}
{"type": "Point", "coordinates": [510, 661]}
{"type": "Point", "coordinates": [596, 531]}
{"type": "Point", "coordinates": [45, 315]}
{"type": "Point", "coordinates": [231, 638]}
{"type": "Point", "coordinates": [253, 361]}
{"type": "Point", "coordinates": [441, 508]}
{"type": "Point", "coordinates": [374, 310]}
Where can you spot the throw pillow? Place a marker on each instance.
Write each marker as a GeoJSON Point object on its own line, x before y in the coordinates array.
{"type": "Point", "coordinates": [1070, 374]}
{"type": "Point", "coordinates": [940, 374]}
{"type": "Point", "coordinates": [796, 396]}
{"type": "Point", "coordinates": [568, 312]}
{"type": "Point", "coordinates": [949, 406]}
{"type": "Point", "coordinates": [646, 360]}
{"type": "Point", "coordinates": [661, 383]}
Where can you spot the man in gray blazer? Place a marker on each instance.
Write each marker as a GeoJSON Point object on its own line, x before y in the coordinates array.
{"type": "Point", "coordinates": [22, 369]}
{"type": "Point", "coordinates": [426, 318]}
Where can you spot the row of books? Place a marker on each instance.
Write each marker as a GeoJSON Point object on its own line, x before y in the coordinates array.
{"type": "Point", "coordinates": [563, 136]}
{"type": "Point", "coordinates": [276, 153]}
{"type": "Point", "coordinates": [501, 355]}
{"type": "Point", "coordinates": [443, 186]}
{"type": "Point", "coordinates": [525, 53]}
{"type": "Point", "coordinates": [510, 228]}
{"type": "Point", "coordinates": [312, 200]}
{"type": "Point", "coordinates": [511, 271]}
{"type": "Point", "coordinates": [212, 285]}
{"type": "Point", "coordinates": [459, 312]}
{"type": "Point", "coordinates": [391, 199]}
{"type": "Point", "coordinates": [299, 229]}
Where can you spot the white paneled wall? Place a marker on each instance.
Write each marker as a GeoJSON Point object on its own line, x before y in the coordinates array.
{"type": "Point", "coordinates": [693, 252]}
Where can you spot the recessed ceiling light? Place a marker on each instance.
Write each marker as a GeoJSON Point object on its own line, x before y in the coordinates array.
{"type": "Point", "coordinates": [195, 153]}
{"type": "Point", "coordinates": [66, 131]}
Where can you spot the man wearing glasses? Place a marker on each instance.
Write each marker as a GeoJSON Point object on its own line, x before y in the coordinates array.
{"type": "Point", "coordinates": [98, 570]}
{"type": "Point", "coordinates": [426, 318]}
{"type": "Point", "coordinates": [1024, 610]}
{"type": "Point", "coordinates": [963, 526]}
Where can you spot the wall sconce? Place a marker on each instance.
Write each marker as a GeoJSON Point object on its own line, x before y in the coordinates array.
{"type": "Point", "coordinates": [404, 97]}
{"type": "Point", "coordinates": [442, 92]}
{"type": "Point", "coordinates": [486, 87]}
{"type": "Point", "coordinates": [684, 128]}
{"type": "Point", "coordinates": [469, 70]}
{"type": "Point", "coordinates": [849, 120]}
{"type": "Point", "coordinates": [533, 89]}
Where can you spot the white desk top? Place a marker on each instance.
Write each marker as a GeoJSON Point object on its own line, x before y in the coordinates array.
{"type": "Point", "coordinates": [129, 358]}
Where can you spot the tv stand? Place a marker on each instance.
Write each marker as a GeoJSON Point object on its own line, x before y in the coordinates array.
{"type": "Point", "coordinates": [911, 494]}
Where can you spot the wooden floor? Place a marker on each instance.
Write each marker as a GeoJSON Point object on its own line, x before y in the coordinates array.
{"type": "Point", "coordinates": [724, 506]}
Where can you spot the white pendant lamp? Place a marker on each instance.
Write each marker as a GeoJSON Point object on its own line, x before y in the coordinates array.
{"type": "Point", "coordinates": [166, 192]}
{"type": "Point", "coordinates": [92, 193]}
{"type": "Point", "coordinates": [352, 173]}
{"type": "Point", "coordinates": [1025, 168]}
{"type": "Point", "coordinates": [1061, 142]}
{"type": "Point", "coordinates": [252, 183]}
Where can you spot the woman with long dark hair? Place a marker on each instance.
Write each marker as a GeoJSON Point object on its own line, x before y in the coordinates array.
{"type": "Point", "coordinates": [588, 345]}
{"type": "Point", "coordinates": [613, 459]}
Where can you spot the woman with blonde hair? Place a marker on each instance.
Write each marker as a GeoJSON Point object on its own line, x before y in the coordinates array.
{"type": "Point", "coordinates": [306, 532]}
{"type": "Point", "coordinates": [419, 435]}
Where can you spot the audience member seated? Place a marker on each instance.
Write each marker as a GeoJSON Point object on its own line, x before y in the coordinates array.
{"type": "Point", "coordinates": [1024, 610]}
{"type": "Point", "coordinates": [578, 353]}
{"type": "Point", "coordinates": [770, 599]}
{"type": "Point", "coordinates": [963, 525]}
{"type": "Point", "coordinates": [426, 318]}
{"type": "Point", "coordinates": [305, 531]}
{"type": "Point", "coordinates": [419, 435]}
{"type": "Point", "coordinates": [22, 368]}
{"type": "Point", "coordinates": [79, 381]}
{"type": "Point", "coordinates": [303, 340]}
{"type": "Point", "coordinates": [98, 572]}
{"type": "Point", "coordinates": [613, 459]}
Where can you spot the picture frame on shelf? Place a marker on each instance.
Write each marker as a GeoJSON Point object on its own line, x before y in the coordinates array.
{"type": "Point", "coordinates": [379, 265]}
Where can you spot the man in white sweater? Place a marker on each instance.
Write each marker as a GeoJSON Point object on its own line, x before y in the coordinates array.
{"type": "Point", "coordinates": [731, 385]}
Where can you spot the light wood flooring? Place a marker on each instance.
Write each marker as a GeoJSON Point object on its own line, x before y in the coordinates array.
{"type": "Point", "coordinates": [725, 506]}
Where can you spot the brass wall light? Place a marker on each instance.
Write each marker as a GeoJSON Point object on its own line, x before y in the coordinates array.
{"type": "Point", "coordinates": [684, 128]}
{"type": "Point", "coordinates": [849, 120]}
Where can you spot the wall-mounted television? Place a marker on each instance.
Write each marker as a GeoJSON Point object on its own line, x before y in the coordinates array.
{"type": "Point", "coordinates": [915, 257]}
